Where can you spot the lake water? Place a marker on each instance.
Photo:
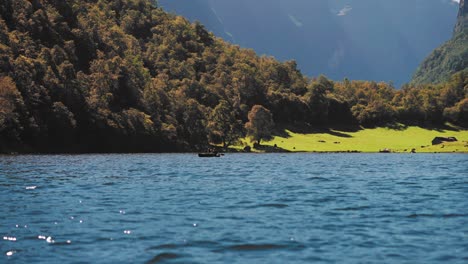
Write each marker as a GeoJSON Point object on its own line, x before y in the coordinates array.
{"type": "Point", "coordinates": [241, 208]}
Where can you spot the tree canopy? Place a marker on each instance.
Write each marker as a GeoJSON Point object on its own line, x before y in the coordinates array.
{"type": "Point", "coordinates": [260, 123]}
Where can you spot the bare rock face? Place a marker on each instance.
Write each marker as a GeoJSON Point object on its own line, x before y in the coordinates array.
{"type": "Point", "coordinates": [462, 20]}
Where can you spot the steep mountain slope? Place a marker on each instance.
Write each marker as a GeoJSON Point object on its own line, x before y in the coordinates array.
{"type": "Point", "coordinates": [450, 58]}
{"type": "Point", "coordinates": [377, 40]}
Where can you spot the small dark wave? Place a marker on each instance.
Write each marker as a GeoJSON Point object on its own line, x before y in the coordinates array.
{"type": "Point", "coordinates": [454, 215]}
{"type": "Point", "coordinates": [163, 257]}
{"type": "Point", "coordinates": [61, 243]}
{"type": "Point", "coordinates": [437, 215]}
{"type": "Point", "coordinates": [287, 200]}
{"type": "Point", "coordinates": [317, 259]}
{"type": "Point", "coordinates": [356, 208]}
{"type": "Point", "coordinates": [430, 195]}
{"type": "Point", "coordinates": [318, 179]}
{"type": "Point", "coordinates": [321, 200]}
{"type": "Point", "coordinates": [446, 258]}
{"type": "Point", "coordinates": [419, 215]}
{"type": "Point", "coordinates": [36, 212]}
{"type": "Point", "coordinates": [394, 255]}
{"type": "Point", "coordinates": [407, 183]}
{"type": "Point", "coordinates": [273, 205]}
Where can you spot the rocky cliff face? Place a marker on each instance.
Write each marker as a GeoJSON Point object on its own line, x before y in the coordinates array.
{"type": "Point", "coordinates": [462, 20]}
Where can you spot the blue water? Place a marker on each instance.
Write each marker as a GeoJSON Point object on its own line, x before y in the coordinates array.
{"type": "Point", "coordinates": [241, 208]}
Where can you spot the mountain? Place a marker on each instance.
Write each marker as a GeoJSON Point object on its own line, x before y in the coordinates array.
{"type": "Point", "coordinates": [377, 40]}
{"type": "Point", "coordinates": [449, 58]}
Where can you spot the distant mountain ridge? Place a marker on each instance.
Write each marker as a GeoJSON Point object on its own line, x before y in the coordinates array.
{"type": "Point", "coordinates": [448, 59]}
{"type": "Point", "coordinates": [377, 40]}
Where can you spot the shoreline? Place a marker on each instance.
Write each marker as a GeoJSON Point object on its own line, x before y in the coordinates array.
{"type": "Point", "coordinates": [227, 153]}
{"type": "Point", "coordinates": [372, 140]}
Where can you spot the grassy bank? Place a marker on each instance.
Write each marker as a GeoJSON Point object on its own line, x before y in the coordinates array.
{"type": "Point", "coordinates": [368, 140]}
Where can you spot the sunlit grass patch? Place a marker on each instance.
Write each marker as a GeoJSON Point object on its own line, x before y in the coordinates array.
{"type": "Point", "coordinates": [370, 140]}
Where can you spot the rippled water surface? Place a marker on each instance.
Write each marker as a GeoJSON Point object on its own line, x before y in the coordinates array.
{"type": "Point", "coordinates": [241, 208]}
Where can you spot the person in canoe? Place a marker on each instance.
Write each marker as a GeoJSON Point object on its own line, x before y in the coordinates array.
{"type": "Point", "coordinates": [211, 153]}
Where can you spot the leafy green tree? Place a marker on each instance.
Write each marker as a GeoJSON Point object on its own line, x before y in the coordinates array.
{"type": "Point", "coordinates": [458, 114]}
{"type": "Point", "coordinates": [376, 113]}
{"type": "Point", "coordinates": [10, 100]}
{"type": "Point", "coordinates": [317, 99]}
{"type": "Point", "coordinates": [223, 124]}
{"type": "Point", "coordinates": [11, 106]}
{"type": "Point", "coordinates": [260, 123]}
{"type": "Point", "coordinates": [194, 125]}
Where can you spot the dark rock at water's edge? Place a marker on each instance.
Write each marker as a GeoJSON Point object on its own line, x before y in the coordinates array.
{"type": "Point", "coordinates": [386, 150]}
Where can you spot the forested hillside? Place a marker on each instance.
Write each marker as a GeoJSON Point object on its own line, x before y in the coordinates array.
{"type": "Point", "coordinates": [124, 76]}
{"type": "Point", "coordinates": [450, 58]}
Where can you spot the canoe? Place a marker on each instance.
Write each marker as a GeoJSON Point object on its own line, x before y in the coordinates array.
{"type": "Point", "coordinates": [209, 155]}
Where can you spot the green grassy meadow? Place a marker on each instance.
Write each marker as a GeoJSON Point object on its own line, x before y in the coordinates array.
{"type": "Point", "coordinates": [368, 140]}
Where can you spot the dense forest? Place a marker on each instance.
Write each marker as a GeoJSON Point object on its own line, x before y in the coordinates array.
{"type": "Point", "coordinates": [125, 76]}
